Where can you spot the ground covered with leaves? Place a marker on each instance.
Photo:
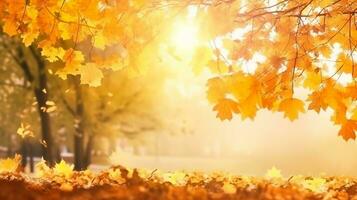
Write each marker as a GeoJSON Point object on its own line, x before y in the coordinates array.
{"type": "Point", "coordinates": [61, 182]}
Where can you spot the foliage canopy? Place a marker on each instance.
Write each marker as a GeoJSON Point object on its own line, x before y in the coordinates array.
{"type": "Point", "coordinates": [262, 53]}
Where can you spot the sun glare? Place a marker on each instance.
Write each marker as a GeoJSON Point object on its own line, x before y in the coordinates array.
{"type": "Point", "coordinates": [184, 36]}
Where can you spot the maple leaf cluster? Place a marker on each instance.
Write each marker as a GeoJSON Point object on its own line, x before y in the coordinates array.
{"type": "Point", "coordinates": [86, 37]}
{"type": "Point", "coordinates": [285, 47]}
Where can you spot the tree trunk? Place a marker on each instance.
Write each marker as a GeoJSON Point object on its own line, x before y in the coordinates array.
{"type": "Point", "coordinates": [24, 153]}
{"type": "Point", "coordinates": [30, 154]}
{"type": "Point", "coordinates": [78, 150]}
{"type": "Point", "coordinates": [40, 92]}
{"type": "Point", "coordinates": [88, 152]}
{"type": "Point", "coordinates": [42, 97]}
{"type": "Point", "coordinates": [79, 135]}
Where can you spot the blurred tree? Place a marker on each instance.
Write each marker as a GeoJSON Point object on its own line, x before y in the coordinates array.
{"type": "Point", "coordinates": [121, 102]}
{"type": "Point", "coordinates": [34, 72]}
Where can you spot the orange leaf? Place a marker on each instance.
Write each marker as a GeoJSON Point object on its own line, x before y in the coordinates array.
{"type": "Point", "coordinates": [225, 108]}
{"type": "Point", "coordinates": [317, 102]}
{"type": "Point", "coordinates": [348, 129]}
{"type": "Point", "coordinates": [291, 108]}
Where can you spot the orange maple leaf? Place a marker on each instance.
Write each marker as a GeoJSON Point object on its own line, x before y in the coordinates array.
{"type": "Point", "coordinates": [225, 107]}
{"type": "Point", "coordinates": [339, 115]}
{"type": "Point", "coordinates": [348, 129]}
{"type": "Point", "coordinates": [276, 61]}
{"type": "Point", "coordinates": [291, 107]}
{"type": "Point", "coordinates": [317, 102]}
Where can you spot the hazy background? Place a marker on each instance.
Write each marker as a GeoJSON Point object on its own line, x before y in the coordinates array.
{"type": "Point", "coordinates": [309, 145]}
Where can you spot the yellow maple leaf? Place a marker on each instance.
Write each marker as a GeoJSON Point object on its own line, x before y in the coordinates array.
{"type": "Point", "coordinates": [65, 30]}
{"type": "Point", "coordinates": [63, 169]}
{"type": "Point", "coordinates": [312, 81]}
{"type": "Point", "coordinates": [31, 12]}
{"type": "Point", "coordinates": [317, 185]}
{"type": "Point", "coordinates": [10, 164]}
{"type": "Point", "coordinates": [216, 89]}
{"type": "Point", "coordinates": [229, 188]}
{"type": "Point", "coordinates": [175, 178]}
{"type": "Point", "coordinates": [91, 75]}
{"type": "Point", "coordinates": [115, 174]}
{"type": "Point", "coordinates": [24, 131]}
{"type": "Point", "coordinates": [248, 107]}
{"type": "Point", "coordinates": [41, 169]}
{"type": "Point", "coordinates": [52, 54]}
{"type": "Point", "coordinates": [99, 41]}
{"type": "Point", "coordinates": [73, 61]}
{"type": "Point", "coordinates": [30, 35]}
{"type": "Point", "coordinates": [241, 85]}
{"type": "Point", "coordinates": [291, 107]}
{"type": "Point", "coordinates": [273, 173]}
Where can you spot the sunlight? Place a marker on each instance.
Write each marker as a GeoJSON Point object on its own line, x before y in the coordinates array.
{"type": "Point", "coordinates": [184, 36]}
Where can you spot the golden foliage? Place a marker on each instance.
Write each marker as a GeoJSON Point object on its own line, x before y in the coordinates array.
{"type": "Point", "coordinates": [273, 173]}
{"type": "Point", "coordinates": [10, 164]}
{"type": "Point", "coordinates": [63, 169]}
{"type": "Point", "coordinates": [291, 107]}
{"type": "Point", "coordinates": [304, 44]}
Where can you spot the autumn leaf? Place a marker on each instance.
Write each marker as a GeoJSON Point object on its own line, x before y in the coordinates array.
{"type": "Point", "coordinates": [339, 115]}
{"type": "Point", "coordinates": [273, 173]}
{"type": "Point", "coordinates": [229, 188]}
{"type": "Point", "coordinates": [347, 63]}
{"type": "Point", "coordinates": [91, 75]}
{"type": "Point", "coordinates": [41, 169]}
{"type": "Point", "coordinates": [225, 108]}
{"type": "Point", "coordinates": [11, 27]}
{"type": "Point", "coordinates": [241, 85]}
{"type": "Point", "coordinates": [24, 131]}
{"type": "Point", "coordinates": [73, 61]}
{"type": "Point", "coordinates": [312, 81]}
{"type": "Point", "coordinates": [63, 169]}
{"type": "Point", "coordinates": [115, 174]}
{"type": "Point", "coordinates": [315, 184]}
{"type": "Point", "coordinates": [348, 129]}
{"type": "Point", "coordinates": [99, 41]}
{"type": "Point", "coordinates": [291, 107]}
{"type": "Point", "coordinates": [248, 108]}
{"type": "Point", "coordinates": [317, 102]}
{"type": "Point", "coordinates": [29, 37]}
{"type": "Point", "coordinates": [175, 178]}
{"type": "Point", "coordinates": [10, 164]}
{"type": "Point", "coordinates": [276, 61]}
{"type": "Point", "coordinates": [53, 54]}
{"type": "Point", "coordinates": [216, 89]}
